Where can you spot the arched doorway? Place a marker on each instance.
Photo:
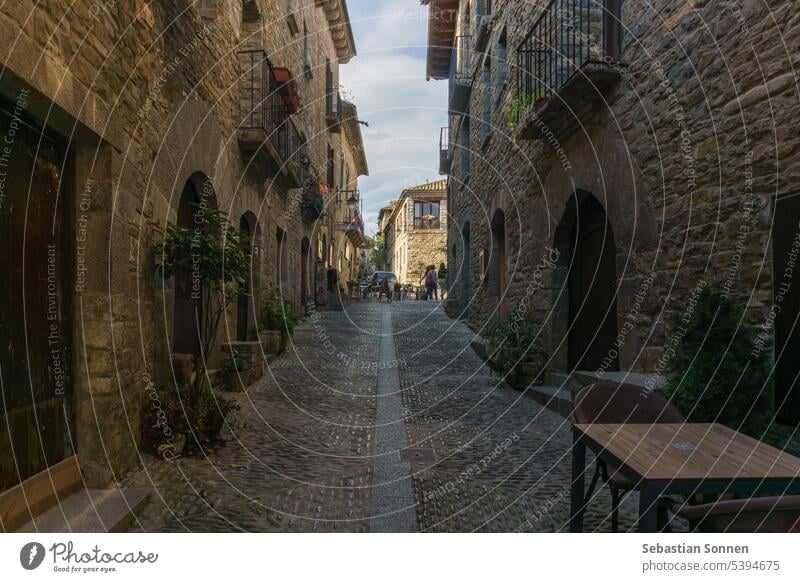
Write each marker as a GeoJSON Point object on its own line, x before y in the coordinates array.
{"type": "Point", "coordinates": [247, 300]}
{"type": "Point", "coordinates": [497, 282]}
{"type": "Point", "coordinates": [197, 194]}
{"type": "Point", "coordinates": [305, 249]}
{"type": "Point", "coordinates": [466, 267]}
{"type": "Point", "coordinates": [584, 239]}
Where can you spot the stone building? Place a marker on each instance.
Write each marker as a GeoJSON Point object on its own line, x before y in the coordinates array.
{"type": "Point", "coordinates": [415, 231]}
{"type": "Point", "coordinates": [349, 238]}
{"type": "Point", "coordinates": [605, 159]}
{"type": "Point", "coordinates": [116, 118]}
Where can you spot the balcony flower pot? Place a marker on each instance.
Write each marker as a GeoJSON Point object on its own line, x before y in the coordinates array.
{"type": "Point", "coordinates": [287, 89]}
{"type": "Point", "coordinates": [238, 381]}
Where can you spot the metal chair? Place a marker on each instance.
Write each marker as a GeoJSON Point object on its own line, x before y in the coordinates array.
{"type": "Point", "coordinates": [613, 403]}
{"type": "Point", "coordinates": [755, 515]}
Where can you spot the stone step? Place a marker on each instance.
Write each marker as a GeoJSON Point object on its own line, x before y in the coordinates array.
{"type": "Point", "coordinates": [92, 511]}
{"type": "Point", "coordinates": [478, 344]}
{"type": "Point", "coordinates": [581, 378]}
{"type": "Point", "coordinates": [555, 398]}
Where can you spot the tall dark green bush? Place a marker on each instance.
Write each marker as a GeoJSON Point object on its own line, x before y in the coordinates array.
{"type": "Point", "coordinates": [715, 373]}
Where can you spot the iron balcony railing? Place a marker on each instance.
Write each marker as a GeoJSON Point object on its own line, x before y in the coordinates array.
{"type": "Point", "coordinates": [263, 107]}
{"type": "Point", "coordinates": [569, 35]}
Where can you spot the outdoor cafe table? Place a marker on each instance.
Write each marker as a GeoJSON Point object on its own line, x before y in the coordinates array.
{"type": "Point", "coordinates": [680, 459]}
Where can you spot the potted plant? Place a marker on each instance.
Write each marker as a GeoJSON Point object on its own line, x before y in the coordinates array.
{"type": "Point", "coordinates": [515, 351]}
{"type": "Point", "coordinates": [237, 372]}
{"type": "Point", "coordinates": [278, 321]}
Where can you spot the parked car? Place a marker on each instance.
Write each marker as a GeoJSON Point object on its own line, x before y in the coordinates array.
{"type": "Point", "coordinates": [379, 276]}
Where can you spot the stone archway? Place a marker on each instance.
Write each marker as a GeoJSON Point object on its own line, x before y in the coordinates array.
{"type": "Point", "coordinates": [247, 301]}
{"type": "Point", "coordinates": [587, 272]}
{"type": "Point", "coordinates": [305, 253]}
{"type": "Point", "coordinates": [198, 193]}
{"type": "Point", "coordinates": [497, 279]}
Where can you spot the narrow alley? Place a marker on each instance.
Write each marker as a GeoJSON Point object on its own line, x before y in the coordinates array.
{"type": "Point", "coordinates": [342, 436]}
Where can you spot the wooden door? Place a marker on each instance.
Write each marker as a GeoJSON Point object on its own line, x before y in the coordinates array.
{"type": "Point", "coordinates": [36, 266]}
{"type": "Point", "coordinates": [592, 294]}
{"type": "Point", "coordinates": [786, 288]}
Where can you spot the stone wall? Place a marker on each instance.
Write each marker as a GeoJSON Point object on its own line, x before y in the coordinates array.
{"type": "Point", "coordinates": [147, 94]}
{"type": "Point", "coordinates": [410, 249]}
{"type": "Point", "coordinates": [685, 153]}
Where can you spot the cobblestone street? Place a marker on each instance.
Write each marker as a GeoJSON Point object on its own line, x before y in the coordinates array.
{"type": "Point", "coordinates": [473, 454]}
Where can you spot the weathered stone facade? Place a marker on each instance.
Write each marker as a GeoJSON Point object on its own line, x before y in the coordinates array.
{"type": "Point", "coordinates": [147, 97]}
{"type": "Point", "coordinates": [413, 242]}
{"type": "Point", "coordinates": [348, 221]}
{"type": "Point", "coordinates": [685, 151]}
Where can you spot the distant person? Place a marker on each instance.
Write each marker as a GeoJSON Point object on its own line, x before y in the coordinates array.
{"type": "Point", "coordinates": [384, 289]}
{"type": "Point", "coordinates": [442, 279]}
{"type": "Point", "coordinates": [435, 277]}
{"type": "Point", "coordinates": [424, 284]}
{"type": "Point", "coordinates": [430, 282]}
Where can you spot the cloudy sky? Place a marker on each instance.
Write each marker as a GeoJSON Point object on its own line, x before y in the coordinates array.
{"type": "Point", "coordinates": [404, 111]}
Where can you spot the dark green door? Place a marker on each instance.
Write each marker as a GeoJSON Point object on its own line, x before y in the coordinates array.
{"type": "Point", "coordinates": [35, 292]}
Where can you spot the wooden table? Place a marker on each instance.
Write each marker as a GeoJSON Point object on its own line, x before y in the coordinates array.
{"type": "Point", "coordinates": [683, 459]}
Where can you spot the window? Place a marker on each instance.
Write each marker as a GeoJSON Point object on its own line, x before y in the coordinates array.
{"type": "Point", "coordinates": [307, 68]}
{"type": "Point", "coordinates": [329, 90]}
{"type": "Point", "coordinates": [465, 153]}
{"type": "Point", "coordinates": [331, 170]}
{"type": "Point", "coordinates": [426, 215]}
{"type": "Point", "coordinates": [501, 64]}
{"type": "Point", "coordinates": [488, 92]}
{"type": "Point", "coordinates": [291, 16]}
{"type": "Point", "coordinates": [485, 7]}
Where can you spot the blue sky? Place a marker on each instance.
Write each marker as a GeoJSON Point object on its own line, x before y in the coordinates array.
{"type": "Point", "coordinates": [404, 111]}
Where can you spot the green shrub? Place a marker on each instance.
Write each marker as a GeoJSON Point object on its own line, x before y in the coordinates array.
{"type": "Point", "coordinates": [276, 314]}
{"type": "Point", "coordinates": [514, 343]}
{"type": "Point", "coordinates": [714, 372]}
{"type": "Point", "coordinates": [167, 414]}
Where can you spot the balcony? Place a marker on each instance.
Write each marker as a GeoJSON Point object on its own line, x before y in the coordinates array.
{"type": "Point", "coordinates": [566, 64]}
{"type": "Point", "coordinates": [445, 154]}
{"type": "Point", "coordinates": [268, 138]}
{"type": "Point", "coordinates": [350, 220]}
{"type": "Point", "coordinates": [461, 74]}
{"type": "Point", "coordinates": [312, 201]}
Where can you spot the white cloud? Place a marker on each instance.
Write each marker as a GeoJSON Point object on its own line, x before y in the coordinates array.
{"type": "Point", "coordinates": [404, 111]}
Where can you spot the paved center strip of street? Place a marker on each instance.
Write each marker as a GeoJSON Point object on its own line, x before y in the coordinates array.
{"type": "Point", "coordinates": [393, 507]}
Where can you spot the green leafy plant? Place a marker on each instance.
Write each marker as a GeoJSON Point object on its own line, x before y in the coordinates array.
{"type": "Point", "coordinates": [514, 345]}
{"type": "Point", "coordinates": [714, 374]}
{"type": "Point", "coordinates": [378, 256]}
{"type": "Point", "coordinates": [277, 315]}
{"type": "Point", "coordinates": [167, 417]}
{"type": "Point", "coordinates": [519, 104]}
{"type": "Point", "coordinates": [213, 253]}
{"type": "Point", "coordinates": [235, 362]}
